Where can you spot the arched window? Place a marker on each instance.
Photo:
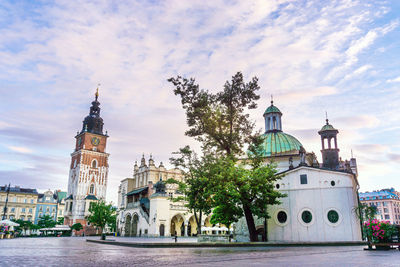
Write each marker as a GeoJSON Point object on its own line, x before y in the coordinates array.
{"type": "Point", "coordinates": [91, 190]}
{"type": "Point", "coordinates": [274, 123]}
{"type": "Point", "coordinates": [94, 163]}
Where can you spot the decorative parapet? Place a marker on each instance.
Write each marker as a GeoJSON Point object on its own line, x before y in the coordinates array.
{"type": "Point", "coordinates": [177, 207]}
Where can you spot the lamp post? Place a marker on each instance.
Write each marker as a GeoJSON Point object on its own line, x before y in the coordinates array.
{"type": "Point", "coordinates": [5, 206]}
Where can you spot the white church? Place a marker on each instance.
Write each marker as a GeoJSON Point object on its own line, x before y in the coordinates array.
{"type": "Point", "coordinates": [319, 206]}
{"type": "Point", "coordinates": [321, 198]}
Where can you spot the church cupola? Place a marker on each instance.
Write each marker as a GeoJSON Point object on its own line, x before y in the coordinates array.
{"type": "Point", "coordinates": [93, 123]}
{"type": "Point", "coordinates": [330, 150]}
{"type": "Point", "coordinates": [272, 117]}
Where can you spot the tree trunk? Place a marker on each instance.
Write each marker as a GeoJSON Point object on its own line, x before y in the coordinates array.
{"type": "Point", "coordinates": [250, 223]}
{"type": "Point", "coordinates": [198, 221]}
{"type": "Point", "coordinates": [103, 235]}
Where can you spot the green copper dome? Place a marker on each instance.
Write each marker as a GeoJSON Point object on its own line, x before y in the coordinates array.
{"type": "Point", "coordinates": [280, 143]}
{"type": "Point", "coordinates": [327, 127]}
{"type": "Point", "coordinates": [272, 109]}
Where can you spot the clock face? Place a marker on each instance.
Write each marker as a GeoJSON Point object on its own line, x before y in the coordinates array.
{"type": "Point", "coordinates": [95, 141]}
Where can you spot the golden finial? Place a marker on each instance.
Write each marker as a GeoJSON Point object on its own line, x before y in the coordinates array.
{"type": "Point", "coordinates": [97, 92]}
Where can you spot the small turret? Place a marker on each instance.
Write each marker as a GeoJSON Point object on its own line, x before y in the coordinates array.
{"type": "Point", "coordinates": [273, 118]}
{"type": "Point", "coordinates": [330, 152]}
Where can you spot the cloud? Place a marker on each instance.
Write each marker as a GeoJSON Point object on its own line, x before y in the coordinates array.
{"type": "Point", "coordinates": [394, 80]}
{"type": "Point", "coordinates": [52, 56]}
{"type": "Point", "coordinates": [20, 149]}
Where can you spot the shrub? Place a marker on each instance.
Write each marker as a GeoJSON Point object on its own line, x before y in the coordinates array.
{"type": "Point", "coordinates": [379, 231]}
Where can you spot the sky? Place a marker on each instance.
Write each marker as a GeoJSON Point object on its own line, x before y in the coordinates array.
{"type": "Point", "coordinates": [339, 57]}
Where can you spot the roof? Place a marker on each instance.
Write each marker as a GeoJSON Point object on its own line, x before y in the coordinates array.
{"type": "Point", "coordinates": [69, 197]}
{"type": "Point", "coordinates": [280, 143]}
{"type": "Point", "coordinates": [91, 197]}
{"type": "Point", "coordinates": [61, 195]}
{"type": "Point", "coordinates": [272, 109]}
{"type": "Point", "coordinates": [327, 127]}
{"type": "Point", "coordinates": [137, 191]}
{"type": "Point", "coordinates": [382, 194]}
{"type": "Point", "coordinates": [18, 189]}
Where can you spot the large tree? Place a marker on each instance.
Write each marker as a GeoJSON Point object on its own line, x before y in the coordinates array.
{"type": "Point", "coordinates": [222, 124]}
{"type": "Point", "coordinates": [102, 214]}
{"type": "Point", "coordinates": [219, 120]}
{"type": "Point", "coordinates": [195, 186]}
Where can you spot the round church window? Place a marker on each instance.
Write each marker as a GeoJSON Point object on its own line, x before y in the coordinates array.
{"type": "Point", "coordinates": [306, 216]}
{"type": "Point", "coordinates": [282, 216]}
{"type": "Point", "coordinates": [277, 186]}
{"type": "Point", "coordinates": [333, 216]}
{"type": "Point", "coordinates": [332, 183]}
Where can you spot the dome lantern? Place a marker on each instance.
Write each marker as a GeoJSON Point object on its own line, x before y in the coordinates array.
{"type": "Point", "coordinates": [272, 117]}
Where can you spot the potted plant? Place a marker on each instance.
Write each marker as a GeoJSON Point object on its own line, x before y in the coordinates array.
{"type": "Point", "coordinates": [379, 233]}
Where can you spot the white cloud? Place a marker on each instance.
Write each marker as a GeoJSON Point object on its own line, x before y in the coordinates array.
{"type": "Point", "coordinates": [20, 149]}
{"type": "Point", "coordinates": [51, 62]}
{"type": "Point", "coordinates": [394, 80]}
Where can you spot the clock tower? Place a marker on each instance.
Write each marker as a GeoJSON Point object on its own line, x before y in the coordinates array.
{"type": "Point", "coordinates": [88, 174]}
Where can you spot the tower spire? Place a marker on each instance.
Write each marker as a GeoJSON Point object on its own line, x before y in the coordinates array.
{"type": "Point", "coordinates": [326, 117]}
{"type": "Point", "coordinates": [272, 100]}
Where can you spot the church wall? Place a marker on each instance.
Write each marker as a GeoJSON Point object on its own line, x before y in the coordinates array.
{"type": "Point", "coordinates": [318, 196]}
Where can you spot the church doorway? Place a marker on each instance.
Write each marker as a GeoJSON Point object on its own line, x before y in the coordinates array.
{"type": "Point", "coordinates": [128, 225]}
{"type": "Point", "coordinates": [162, 229]}
{"type": "Point", "coordinates": [135, 221]}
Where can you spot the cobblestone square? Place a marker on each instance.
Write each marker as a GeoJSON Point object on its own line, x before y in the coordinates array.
{"type": "Point", "coordinates": [75, 251]}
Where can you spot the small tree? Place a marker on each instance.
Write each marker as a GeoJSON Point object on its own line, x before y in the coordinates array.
{"type": "Point", "coordinates": [46, 221]}
{"type": "Point", "coordinates": [101, 215]}
{"type": "Point", "coordinates": [76, 227]}
{"type": "Point", "coordinates": [24, 225]}
{"type": "Point", "coordinates": [60, 221]}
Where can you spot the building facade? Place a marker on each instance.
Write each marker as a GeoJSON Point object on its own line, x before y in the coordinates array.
{"type": "Point", "coordinates": [145, 207]}
{"type": "Point", "coordinates": [21, 203]}
{"type": "Point", "coordinates": [46, 205]}
{"type": "Point", "coordinates": [387, 203]}
{"type": "Point", "coordinates": [321, 198]}
{"type": "Point", "coordinates": [61, 196]}
{"type": "Point", "coordinates": [88, 175]}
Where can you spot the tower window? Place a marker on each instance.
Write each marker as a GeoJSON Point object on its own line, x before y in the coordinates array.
{"type": "Point", "coordinates": [303, 179]}
{"type": "Point", "coordinates": [94, 163]}
{"type": "Point", "coordinates": [91, 190]}
{"type": "Point", "coordinates": [274, 123]}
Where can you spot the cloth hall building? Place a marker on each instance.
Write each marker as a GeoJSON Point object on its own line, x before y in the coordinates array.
{"type": "Point", "coordinates": [319, 205]}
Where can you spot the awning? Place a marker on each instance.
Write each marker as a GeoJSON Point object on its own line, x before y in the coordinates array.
{"type": "Point", "coordinates": [8, 223]}
{"type": "Point", "coordinates": [137, 191]}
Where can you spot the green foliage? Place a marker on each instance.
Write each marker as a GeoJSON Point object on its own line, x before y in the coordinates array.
{"type": "Point", "coordinates": [60, 221]}
{"type": "Point", "coordinates": [220, 122]}
{"type": "Point", "coordinates": [23, 225]}
{"type": "Point", "coordinates": [46, 221]}
{"type": "Point", "coordinates": [77, 227]}
{"type": "Point", "coordinates": [102, 214]}
{"type": "Point", "coordinates": [379, 231]}
{"type": "Point", "coordinates": [195, 186]}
